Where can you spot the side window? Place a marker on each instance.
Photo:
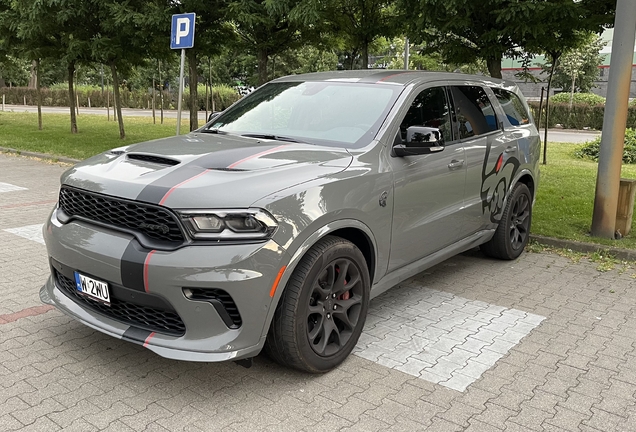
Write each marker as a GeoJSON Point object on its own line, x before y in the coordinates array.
{"type": "Point", "coordinates": [430, 108]}
{"type": "Point", "coordinates": [475, 113]}
{"type": "Point", "coordinates": [512, 106]}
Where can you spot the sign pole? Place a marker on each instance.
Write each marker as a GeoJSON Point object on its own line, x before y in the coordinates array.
{"type": "Point", "coordinates": [180, 91]}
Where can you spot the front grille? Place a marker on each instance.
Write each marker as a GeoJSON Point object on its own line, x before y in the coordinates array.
{"type": "Point", "coordinates": [153, 159]}
{"type": "Point", "coordinates": [145, 317]}
{"type": "Point", "coordinates": [219, 295]}
{"type": "Point", "coordinates": [154, 222]}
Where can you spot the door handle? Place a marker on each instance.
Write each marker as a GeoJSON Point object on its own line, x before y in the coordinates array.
{"type": "Point", "coordinates": [511, 149]}
{"type": "Point", "coordinates": [455, 164]}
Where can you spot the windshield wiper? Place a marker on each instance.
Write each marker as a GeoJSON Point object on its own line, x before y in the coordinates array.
{"type": "Point", "coordinates": [214, 131]}
{"type": "Point", "coordinates": [275, 137]}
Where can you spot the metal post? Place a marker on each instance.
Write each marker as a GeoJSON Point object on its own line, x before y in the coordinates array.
{"type": "Point", "coordinates": [180, 91]}
{"type": "Point", "coordinates": [406, 53]}
{"type": "Point", "coordinates": [615, 120]}
{"type": "Point", "coordinates": [3, 102]}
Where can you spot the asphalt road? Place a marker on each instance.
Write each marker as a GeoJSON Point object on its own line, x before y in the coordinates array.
{"type": "Point", "coordinates": [554, 135]}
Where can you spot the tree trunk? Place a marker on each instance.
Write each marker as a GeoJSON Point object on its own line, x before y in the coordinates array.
{"type": "Point", "coordinates": [555, 59]}
{"type": "Point", "coordinates": [194, 81]}
{"type": "Point", "coordinates": [39, 92]}
{"type": "Point", "coordinates": [120, 119]}
{"type": "Point", "coordinates": [365, 55]}
{"type": "Point", "coordinates": [33, 78]}
{"type": "Point", "coordinates": [572, 92]}
{"type": "Point", "coordinates": [494, 66]}
{"type": "Point", "coordinates": [71, 96]}
{"type": "Point", "coordinates": [262, 66]}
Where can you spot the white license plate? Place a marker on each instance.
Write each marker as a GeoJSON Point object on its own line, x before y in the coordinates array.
{"type": "Point", "coordinates": [93, 288]}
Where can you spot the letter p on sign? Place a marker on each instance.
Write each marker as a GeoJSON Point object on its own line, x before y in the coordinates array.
{"type": "Point", "coordinates": [182, 34]}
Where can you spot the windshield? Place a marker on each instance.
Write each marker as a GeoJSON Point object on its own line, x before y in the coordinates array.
{"type": "Point", "coordinates": [326, 113]}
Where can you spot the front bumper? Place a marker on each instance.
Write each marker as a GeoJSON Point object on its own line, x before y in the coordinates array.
{"type": "Point", "coordinates": [245, 271]}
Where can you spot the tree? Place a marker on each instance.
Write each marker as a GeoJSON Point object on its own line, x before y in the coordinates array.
{"type": "Point", "coordinates": [268, 28]}
{"type": "Point", "coordinates": [579, 67]}
{"type": "Point", "coordinates": [359, 23]}
{"type": "Point", "coordinates": [461, 31]}
{"type": "Point", "coordinates": [555, 27]}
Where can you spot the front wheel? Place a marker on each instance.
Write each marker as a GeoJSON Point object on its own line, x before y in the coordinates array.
{"type": "Point", "coordinates": [513, 231]}
{"type": "Point", "coordinates": [323, 309]}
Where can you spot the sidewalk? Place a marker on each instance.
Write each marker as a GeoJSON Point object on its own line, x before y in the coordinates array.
{"type": "Point", "coordinates": [540, 343]}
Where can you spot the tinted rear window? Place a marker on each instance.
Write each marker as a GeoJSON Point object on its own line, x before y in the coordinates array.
{"type": "Point", "coordinates": [512, 106]}
{"type": "Point", "coordinates": [475, 113]}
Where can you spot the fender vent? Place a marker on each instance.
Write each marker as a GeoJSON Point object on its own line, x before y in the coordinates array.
{"type": "Point", "coordinates": [153, 159]}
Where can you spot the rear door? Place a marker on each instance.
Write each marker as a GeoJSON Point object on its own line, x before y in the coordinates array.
{"type": "Point", "coordinates": [481, 134]}
{"type": "Point", "coordinates": [429, 189]}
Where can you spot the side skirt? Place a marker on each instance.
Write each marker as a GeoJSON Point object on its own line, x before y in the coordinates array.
{"type": "Point", "coordinates": [410, 270]}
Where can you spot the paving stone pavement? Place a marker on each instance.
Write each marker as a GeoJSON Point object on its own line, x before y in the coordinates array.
{"type": "Point", "coordinates": [541, 343]}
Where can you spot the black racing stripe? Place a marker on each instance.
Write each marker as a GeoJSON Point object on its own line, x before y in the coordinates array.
{"type": "Point", "coordinates": [224, 158]}
{"type": "Point", "coordinates": [155, 191]}
{"type": "Point", "coordinates": [132, 266]}
{"type": "Point", "coordinates": [135, 334]}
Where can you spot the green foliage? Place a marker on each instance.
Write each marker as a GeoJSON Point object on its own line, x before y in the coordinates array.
{"type": "Point", "coordinates": [96, 134]}
{"type": "Point", "coordinates": [224, 96]}
{"type": "Point", "coordinates": [565, 197]}
{"type": "Point", "coordinates": [579, 98]}
{"type": "Point", "coordinates": [579, 66]}
{"type": "Point", "coordinates": [580, 116]}
{"type": "Point", "coordinates": [591, 149]}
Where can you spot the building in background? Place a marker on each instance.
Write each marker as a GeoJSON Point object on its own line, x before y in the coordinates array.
{"type": "Point", "coordinates": [511, 67]}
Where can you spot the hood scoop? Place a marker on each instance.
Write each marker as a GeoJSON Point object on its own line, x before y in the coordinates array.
{"type": "Point", "coordinates": [159, 160]}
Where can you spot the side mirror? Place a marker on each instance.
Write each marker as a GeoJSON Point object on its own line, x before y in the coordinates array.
{"type": "Point", "coordinates": [420, 140]}
{"type": "Point", "coordinates": [214, 115]}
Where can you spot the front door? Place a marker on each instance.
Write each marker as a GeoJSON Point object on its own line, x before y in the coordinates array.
{"type": "Point", "coordinates": [428, 189]}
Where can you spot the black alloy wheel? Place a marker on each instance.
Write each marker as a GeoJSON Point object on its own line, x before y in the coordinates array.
{"type": "Point", "coordinates": [334, 308]}
{"type": "Point", "coordinates": [321, 313]}
{"type": "Point", "coordinates": [513, 231]}
{"type": "Point", "coordinates": [520, 222]}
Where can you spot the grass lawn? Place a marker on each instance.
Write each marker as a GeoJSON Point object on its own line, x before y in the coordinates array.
{"type": "Point", "coordinates": [565, 199]}
{"type": "Point", "coordinates": [96, 134]}
{"type": "Point", "coordinates": [564, 202]}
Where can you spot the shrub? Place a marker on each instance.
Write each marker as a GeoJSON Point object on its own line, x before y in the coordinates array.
{"type": "Point", "coordinates": [591, 149]}
{"type": "Point", "coordinates": [580, 116]}
{"type": "Point", "coordinates": [57, 95]}
{"type": "Point", "coordinates": [579, 98]}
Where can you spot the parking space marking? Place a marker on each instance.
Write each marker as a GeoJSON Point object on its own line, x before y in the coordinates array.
{"type": "Point", "coordinates": [29, 232]}
{"type": "Point", "coordinates": [7, 187]}
{"type": "Point", "coordinates": [439, 337]}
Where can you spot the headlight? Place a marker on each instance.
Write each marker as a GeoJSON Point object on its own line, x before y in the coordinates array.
{"type": "Point", "coordinates": [251, 224]}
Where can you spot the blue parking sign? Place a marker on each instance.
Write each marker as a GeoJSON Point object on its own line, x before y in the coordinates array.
{"type": "Point", "coordinates": [182, 33]}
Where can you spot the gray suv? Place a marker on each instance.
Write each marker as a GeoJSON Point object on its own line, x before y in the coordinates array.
{"type": "Point", "coordinates": [275, 224]}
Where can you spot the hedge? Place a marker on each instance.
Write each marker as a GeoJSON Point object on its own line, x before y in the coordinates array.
{"type": "Point", "coordinates": [579, 98]}
{"type": "Point", "coordinates": [223, 97]}
{"type": "Point", "coordinates": [581, 116]}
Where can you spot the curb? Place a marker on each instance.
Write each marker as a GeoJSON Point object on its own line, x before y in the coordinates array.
{"type": "Point", "coordinates": [584, 247]}
{"type": "Point", "coordinates": [45, 156]}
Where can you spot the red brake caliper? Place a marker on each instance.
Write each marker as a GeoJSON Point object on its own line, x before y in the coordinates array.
{"type": "Point", "coordinates": [346, 295]}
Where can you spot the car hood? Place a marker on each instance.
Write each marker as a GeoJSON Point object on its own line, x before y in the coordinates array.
{"type": "Point", "coordinates": [205, 170]}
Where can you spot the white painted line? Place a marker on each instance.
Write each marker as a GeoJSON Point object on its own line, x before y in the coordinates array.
{"type": "Point", "coordinates": [29, 232]}
{"type": "Point", "coordinates": [7, 187]}
{"type": "Point", "coordinates": [440, 337]}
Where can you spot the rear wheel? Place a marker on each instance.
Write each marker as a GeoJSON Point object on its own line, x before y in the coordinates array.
{"type": "Point", "coordinates": [323, 309]}
{"type": "Point", "coordinates": [513, 231]}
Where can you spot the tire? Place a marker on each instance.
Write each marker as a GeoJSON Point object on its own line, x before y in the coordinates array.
{"type": "Point", "coordinates": [513, 231]}
{"type": "Point", "coordinates": [322, 311]}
